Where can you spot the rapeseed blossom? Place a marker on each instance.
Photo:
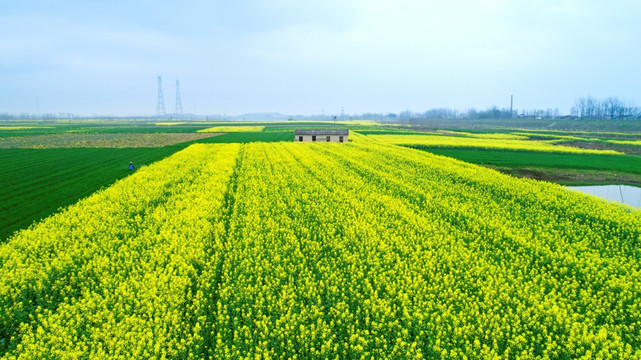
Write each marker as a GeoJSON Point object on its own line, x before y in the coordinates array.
{"type": "Point", "coordinates": [291, 250]}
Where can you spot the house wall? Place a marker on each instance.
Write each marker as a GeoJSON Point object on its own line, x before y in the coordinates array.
{"type": "Point", "coordinates": [306, 138]}
{"type": "Point", "coordinates": [322, 138]}
{"type": "Point", "coordinates": [335, 138]}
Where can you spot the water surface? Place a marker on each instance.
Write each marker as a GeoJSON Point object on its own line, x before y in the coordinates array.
{"type": "Point", "coordinates": [624, 194]}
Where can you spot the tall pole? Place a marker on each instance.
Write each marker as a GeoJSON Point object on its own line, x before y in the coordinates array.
{"type": "Point", "coordinates": [179, 105]}
{"type": "Point", "coordinates": [160, 104]}
{"type": "Point", "coordinates": [511, 106]}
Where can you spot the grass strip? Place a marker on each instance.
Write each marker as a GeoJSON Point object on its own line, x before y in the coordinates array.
{"type": "Point", "coordinates": [564, 168]}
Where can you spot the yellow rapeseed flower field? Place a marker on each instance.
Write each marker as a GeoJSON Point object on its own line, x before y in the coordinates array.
{"type": "Point", "coordinates": [228, 129]}
{"type": "Point", "coordinates": [491, 141]}
{"type": "Point", "coordinates": [320, 250]}
{"type": "Point", "coordinates": [174, 123]}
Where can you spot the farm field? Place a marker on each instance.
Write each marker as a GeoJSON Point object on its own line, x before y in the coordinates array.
{"type": "Point", "coordinates": [38, 182]}
{"type": "Point", "coordinates": [240, 137]}
{"type": "Point", "coordinates": [486, 142]}
{"type": "Point", "coordinates": [541, 125]}
{"type": "Point", "coordinates": [359, 250]}
{"type": "Point", "coordinates": [566, 158]}
{"type": "Point", "coordinates": [58, 183]}
{"type": "Point", "coordinates": [228, 129]}
{"type": "Point", "coordinates": [29, 128]}
{"type": "Point", "coordinates": [94, 128]}
{"type": "Point", "coordinates": [558, 167]}
{"type": "Point", "coordinates": [74, 160]}
{"type": "Point", "coordinates": [106, 140]}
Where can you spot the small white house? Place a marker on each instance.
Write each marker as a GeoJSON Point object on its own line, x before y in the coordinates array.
{"type": "Point", "coordinates": [321, 135]}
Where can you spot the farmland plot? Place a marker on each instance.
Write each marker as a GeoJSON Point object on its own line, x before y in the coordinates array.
{"type": "Point", "coordinates": [107, 140]}
{"type": "Point", "coordinates": [359, 250]}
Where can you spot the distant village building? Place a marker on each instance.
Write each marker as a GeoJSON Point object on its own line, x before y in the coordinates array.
{"type": "Point", "coordinates": [321, 135]}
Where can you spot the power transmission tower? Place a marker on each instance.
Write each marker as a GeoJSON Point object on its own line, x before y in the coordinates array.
{"type": "Point", "coordinates": [179, 105]}
{"type": "Point", "coordinates": [160, 105]}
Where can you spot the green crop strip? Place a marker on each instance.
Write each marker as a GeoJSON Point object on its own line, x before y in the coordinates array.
{"type": "Point", "coordinates": [630, 164]}
{"type": "Point", "coordinates": [37, 182]}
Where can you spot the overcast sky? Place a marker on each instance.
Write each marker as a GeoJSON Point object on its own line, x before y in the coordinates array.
{"type": "Point", "coordinates": [313, 56]}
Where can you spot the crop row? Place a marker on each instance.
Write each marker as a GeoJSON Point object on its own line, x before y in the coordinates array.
{"type": "Point", "coordinates": [359, 250]}
{"type": "Point", "coordinates": [484, 141]}
{"type": "Point", "coordinates": [37, 182]}
{"type": "Point", "coordinates": [116, 276]}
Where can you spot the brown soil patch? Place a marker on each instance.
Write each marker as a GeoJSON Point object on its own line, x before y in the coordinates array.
{"type": "Point", "coordinates": [118, 140]}
{"type": "Point", "coordinates": [572, 176]}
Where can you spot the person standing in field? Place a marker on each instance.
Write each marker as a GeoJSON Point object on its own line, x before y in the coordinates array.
{"type": "Point", "coordinates": [131, 165]}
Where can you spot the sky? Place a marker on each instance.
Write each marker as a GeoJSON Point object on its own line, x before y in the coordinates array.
{"type": "Point", "coordinates": [315, 56]}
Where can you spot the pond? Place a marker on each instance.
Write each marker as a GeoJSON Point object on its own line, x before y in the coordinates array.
{"type": "Point", "coordinates": [629, 195]}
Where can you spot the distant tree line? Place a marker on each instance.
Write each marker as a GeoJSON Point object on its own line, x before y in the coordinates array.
{"type": "Point", "coordinates": [491, 113]}
{"type": "Point", "coordinates": [28, 116]}
{"type": "Point", "coordinates": [608, 108]}
{"type": "Point", "coordinates": [584, 108]}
